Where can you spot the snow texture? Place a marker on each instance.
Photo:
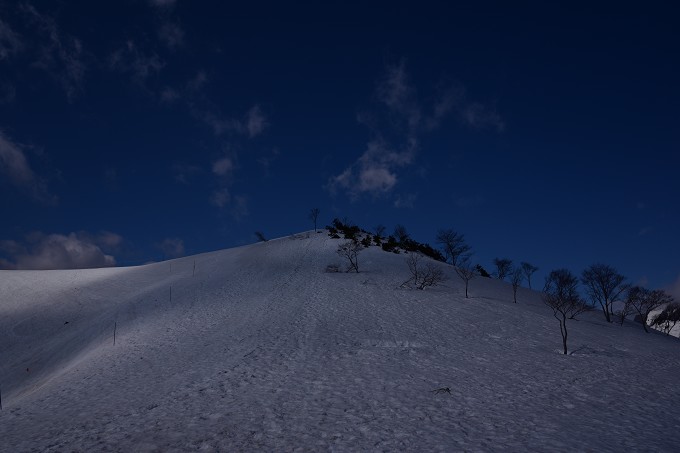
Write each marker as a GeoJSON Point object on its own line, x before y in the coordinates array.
{"type": "Point", "coordinates": [259, 348]}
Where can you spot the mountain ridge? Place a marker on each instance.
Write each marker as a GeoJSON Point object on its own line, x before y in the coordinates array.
{"type": "Point", "coordinates": [258, 347]}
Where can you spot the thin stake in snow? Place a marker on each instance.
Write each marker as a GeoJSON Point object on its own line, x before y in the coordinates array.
{"type": "Point", "coordinates": [0, 398]}
{"type": "Point", "coordinates": [114, 333]}
{"type": "Point", "coordinates": [194, 272]}
{"type": "Point", "coordinates": [442, 390]}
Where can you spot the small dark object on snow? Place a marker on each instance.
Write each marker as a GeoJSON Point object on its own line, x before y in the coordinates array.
{"type": "Point", "coordinates": [442, 390]}
{"type": "Point", "coordinates": [65, 322]}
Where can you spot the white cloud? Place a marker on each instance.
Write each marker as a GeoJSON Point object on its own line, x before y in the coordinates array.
{"type": "Point", "coordinates": [397, 131]}
{"type": "Point", "coordinates": [172, 247]}
{"type": "Point", "coordinates": [376, 179]}
{"type": "Point", "coordinates": [14, 165]}
{"type": "Point", "coordinates": [223, 166]}
{"type": "Point", "coordinates": [255, 122]}
{"type": "Point", "coordinates": [374, 173]}
{"type": "Point", "coordinates": [56, 251]}
{"type": "Point", "coordinates": [109, 240]}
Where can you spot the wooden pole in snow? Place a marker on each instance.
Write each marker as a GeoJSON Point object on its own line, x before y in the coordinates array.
{"type": "Point", "coordinates": [194, 272]}
{"type": "Point", "coordinates": [115, 324]}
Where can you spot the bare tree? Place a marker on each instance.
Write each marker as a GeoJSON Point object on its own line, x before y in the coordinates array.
{"type": "Point", "coordinates": [603, 285]}
{"type": "Point", "coordinates": [668, 318]}
{"type": "Point", "coordinates": [423, 276]}
{"type": "Point", "coordinates": [516, 278]}
{"type": "Point", "coordinates": [350, 251]}
{"type": "Point", "coordinates": [528, 270]}
{"type": "Point", "coordinates": [401, 234]}
{"type": "Point", "coordinates": [560, 293]}
{"type": "Point", "coordinates": [466, 272]}
{"type": "Point", "coordinates": [379, 230]}
{"type": "Point", "coordinates": [644, 301]}
{"type": "Point", "coordinates": [624, 312]}
{"type": "Point", "coordinates": [454, 246]}
{"type": "Point", "coordinates": [314, 216]}
{"type": "Point", "coordinates": [503, 267]}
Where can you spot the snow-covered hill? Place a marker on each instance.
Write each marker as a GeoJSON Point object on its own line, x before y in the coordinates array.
{"type": "Point", "coordinates": [258, 348]}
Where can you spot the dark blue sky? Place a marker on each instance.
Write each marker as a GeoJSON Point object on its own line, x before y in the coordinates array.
{"type": "Point", "coordinates": [139, 130]}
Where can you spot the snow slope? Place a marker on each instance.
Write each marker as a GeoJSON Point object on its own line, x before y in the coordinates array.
{"type": "Point", "coordinates": [258, 348]}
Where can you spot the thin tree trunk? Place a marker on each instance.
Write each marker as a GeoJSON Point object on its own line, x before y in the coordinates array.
{"type": "Point", "coordinates": [606, 313]}
{"type": "Point", "coordinates": [563, 331]}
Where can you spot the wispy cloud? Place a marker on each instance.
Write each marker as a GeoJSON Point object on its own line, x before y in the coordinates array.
{"type": "Point", "coordinates": [644, 231]}
{"type": "Point", "coordinates": [132, 60]}
{"type": "Point", "coordinates": [267, 161]}
{"type": "Point", "coordinates": [479, 116]}
{"type": "Point", "coordinates": [172, 247]}
{"type": "Point", "coordinates": [171, 35]}
{"type": "Point", "coordinates": [184, 173]}
{"type": "Point", "coordinates": [163, 3]}
{"type": "Point", "coordinates": [405, 201]}
{"type": "Point", "coordinates": [223, 166]}
{"type": "Point", "coordinates": [239, 208]}
{"type": "Point", "coordinates": [397, 124]}
{"type": "Point", "coordinates": [255, 121]}
{"type": "Point", "coordinates": [16, 168]}
{"type": "Point", "coordinates": [396, 92]}
{"type": "Point", "coordinates": [57, 251]}
{"type": "Point", "coordinates": [10, 42]}
{"type": "Point", "coordinates": [231, 130]}
{"type": "Point", "coordinates": [221, 197]}
{"type": "Point", "coordinates": [59, 54]}
{"type": "Point", "coordinates": [251, 124]}
{"type": "Point", "coordinates": [375, 172]}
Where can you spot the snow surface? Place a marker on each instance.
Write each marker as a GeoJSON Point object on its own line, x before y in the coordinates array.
{"type": "Point", "coordinates": [262, 349]}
